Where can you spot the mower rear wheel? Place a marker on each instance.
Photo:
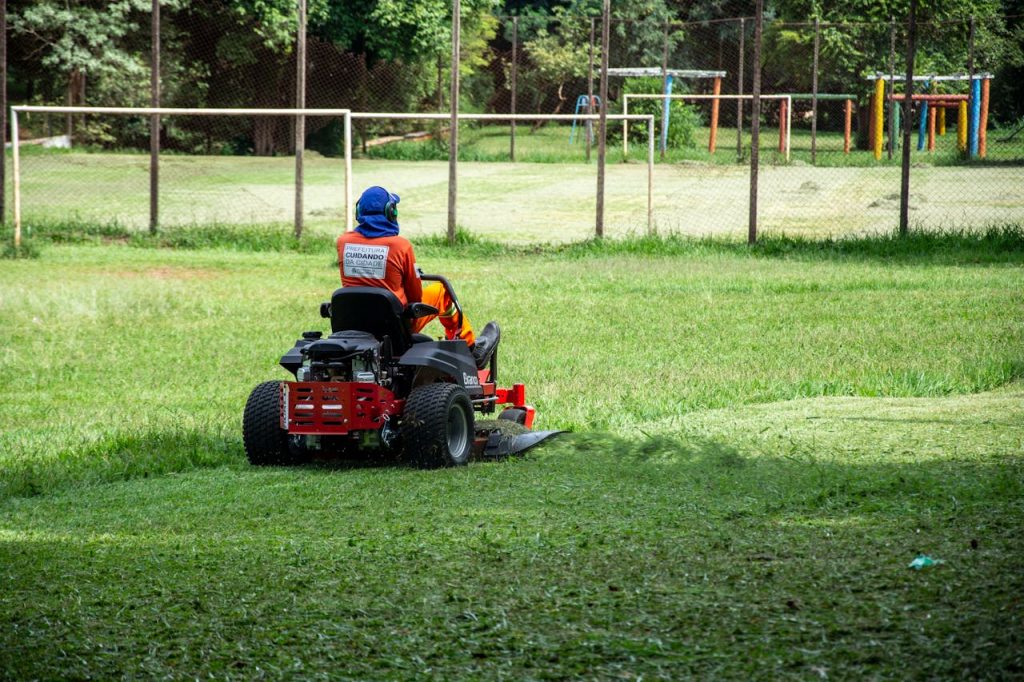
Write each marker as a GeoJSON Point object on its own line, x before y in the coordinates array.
{"type": "Point", "coordinates": [265, 441]}
{"type": "Point", "coordinates": [437, 425]}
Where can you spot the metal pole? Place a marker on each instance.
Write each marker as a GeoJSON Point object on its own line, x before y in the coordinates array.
{"type": "Point", "coordinates": [515, 71]}
{"type": "Point", "coordinates": [15, 147]}
{"type": "Point", "coordinates": [602, 126]}
{"type": "Point", "coordinates": [814, 93]}
{"type": "Point", "coordinates": [739, 91]}
{"type": "Point", "coordinates": [755, 125]}
{"type": "Point", "coordinates": [907, 122]}
{"type": "Point", "coordinates": [300, 121]}
{"type": "Point", "coordinates": [348, 171]}
{"type": "Point", "coordinates": [440, 84]}
{"type": "Point", "coordinates": [664, 83]}
{"type": "Point", "coordinates": [154, 121]}
{"type": "Point", "coordinates": [650, 175]}
{"type": "Point", "coordinates": [453, 133]}
{"type": "Point", "coordinates": [590, 91]}
{"type": "Point", "coordinates": [892, 90]}
{"type": "Point", "coordinates": [3, 108]}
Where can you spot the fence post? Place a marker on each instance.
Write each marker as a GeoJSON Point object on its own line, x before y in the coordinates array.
{"type": "Point", "coordinates": [650, 175]}
{"type": "Point", "coordinates": [348, 171]}
{"type": "Point", "coordinates": [590, 91]}
{"type": "Point", "coordinates": [755, 125]}
{"type": "Point", "coordinates": [907, 122]}
{"type": "Point", "coordinates": [453, 133]}
{"type": "Point", "coordinates": [892, 90]}
{"type": "Point", "coordinates": [3, 108]}
{"type": "Point", "coordinates": [16, 168]}
{"type": "Point", "coordinates": [515, 69]}
{"type": "Point", "coordinates": [814, 93]}
{"type": "Point", "coordinates": [300, 121]}
{"type": "Point", "coordinates": [154, 121]}
{"type": "Point", "coordinates": [739, 91]}
{"type": "Point", "coordinates": [602, 126]}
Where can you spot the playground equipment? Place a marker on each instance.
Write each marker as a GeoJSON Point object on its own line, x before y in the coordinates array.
{"type": "Point", "coordinates": [785, 116]}
{"type": "Point", "coordinates": [584, 104]}
{"type": "Point", "coordinates": [972, 111]}
{"type": "Point", "coordinates": [670, 75]}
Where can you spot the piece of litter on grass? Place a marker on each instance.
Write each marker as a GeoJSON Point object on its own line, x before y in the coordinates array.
{"type": "Point", "coordinates": [923, 561]}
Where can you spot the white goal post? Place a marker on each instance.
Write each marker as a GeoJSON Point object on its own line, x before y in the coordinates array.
{"type": "Point", "coordinates": [628, 96]}
{"type": "Point", "coordinates": [346, 114]}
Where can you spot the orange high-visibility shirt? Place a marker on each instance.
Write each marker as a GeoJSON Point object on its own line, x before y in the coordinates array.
{"type": "Point", "coordinates": [386, 262]}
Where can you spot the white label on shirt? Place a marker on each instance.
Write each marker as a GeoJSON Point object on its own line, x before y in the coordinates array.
{"type": "Point", "coordinates": [361, 260]}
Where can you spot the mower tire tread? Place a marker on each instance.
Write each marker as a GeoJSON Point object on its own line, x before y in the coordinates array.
{"type": "Point", "coordinates": [425, 424]}
{"type": "Point", "coordinates": [265, 441]}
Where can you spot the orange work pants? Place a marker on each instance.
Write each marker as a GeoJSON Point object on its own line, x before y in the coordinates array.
{"type": "Point", "coordinates": [435, 295]}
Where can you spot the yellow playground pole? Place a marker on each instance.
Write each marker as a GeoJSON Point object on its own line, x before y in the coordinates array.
{"type": "Point", "coordinates": [942, 121]}
{"type": "Point", "coordinates": [961, 126]}
{"type": "Point", "coordinates": [878, 114]}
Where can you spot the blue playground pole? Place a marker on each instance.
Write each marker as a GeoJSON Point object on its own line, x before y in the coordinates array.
{"type": "Point", "coordinates": [665, 114]}
{"type": "Point", "coordinates": [581, 105]}
{"type": "Point", "coordinates": [975, 117]}
{"type": "Point", "coordinates": [581, 102]}
{"type": "Point", "coordinates": [922, 125]}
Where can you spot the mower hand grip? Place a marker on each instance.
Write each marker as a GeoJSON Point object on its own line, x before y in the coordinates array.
{"type": "Point", "coordinates": [448, 290]}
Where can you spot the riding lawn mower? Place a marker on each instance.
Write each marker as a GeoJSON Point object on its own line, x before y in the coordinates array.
{"type": "Point", "coordinates": [374, 386]}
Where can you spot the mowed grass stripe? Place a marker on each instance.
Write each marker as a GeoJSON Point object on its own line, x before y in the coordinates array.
{"type": "Point", "coordinates": [761, 542]}
{"type": "Point", "coordinates": [123, 362]}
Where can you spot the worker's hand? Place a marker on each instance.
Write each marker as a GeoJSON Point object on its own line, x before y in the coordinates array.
{"type": "Point", "coordinates": [419, 272]}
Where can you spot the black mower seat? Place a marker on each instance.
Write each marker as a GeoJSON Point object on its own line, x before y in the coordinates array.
{"type": "Point", "coordinates": [372, 310]}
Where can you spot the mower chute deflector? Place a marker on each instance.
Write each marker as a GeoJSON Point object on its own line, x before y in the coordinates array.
{"type": "Point", "coordinates": [374, 385]}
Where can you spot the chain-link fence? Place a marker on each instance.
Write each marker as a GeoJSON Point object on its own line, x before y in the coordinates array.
{"type": "Point", "coordinates": [830, 124]}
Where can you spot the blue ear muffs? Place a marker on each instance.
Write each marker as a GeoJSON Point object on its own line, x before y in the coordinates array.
{"type": "Point", "coordinates": [390, 211]}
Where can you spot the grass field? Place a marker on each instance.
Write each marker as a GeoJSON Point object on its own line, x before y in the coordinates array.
{"type": "Point", "coordinates": [763, 440]}
{"type": "Point", "coordinates": [529, 202]}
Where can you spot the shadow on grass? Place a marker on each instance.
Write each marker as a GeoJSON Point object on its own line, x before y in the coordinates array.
{"type": "Point", "coordinates": [117, 457]}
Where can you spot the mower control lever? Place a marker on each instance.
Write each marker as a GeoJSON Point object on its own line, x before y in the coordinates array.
{"type": "Point", "coordinates": [448, 290]}
{"type": "Point", "coordinates": [415, 311]}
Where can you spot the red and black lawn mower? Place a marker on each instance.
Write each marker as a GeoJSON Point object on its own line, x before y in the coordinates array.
{"type": "Point", "coordinates": [373, 385]}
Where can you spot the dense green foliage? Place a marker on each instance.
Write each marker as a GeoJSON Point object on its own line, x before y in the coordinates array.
{"type": "Point", "coordinates": [715, 532]}
{"type": "Point", "coordinates": [392, 56]}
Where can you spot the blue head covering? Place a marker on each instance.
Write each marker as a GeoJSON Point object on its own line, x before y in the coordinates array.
{"type": "Point", "coordinates": [370, 214]}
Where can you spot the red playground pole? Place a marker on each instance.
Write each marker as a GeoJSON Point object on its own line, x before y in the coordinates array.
{"type": "Point", "coordinates": [847, 124]}
{"type": "Point", "coordinates": [931, 128]}
{"type": "Point", "coordinates": [783, 111]}
{"type": "Point", "coordinates": [714, 115]}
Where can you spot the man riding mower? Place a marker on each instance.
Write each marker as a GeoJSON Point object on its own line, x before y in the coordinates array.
{"type": "Point", "coordinates": [378, 383]}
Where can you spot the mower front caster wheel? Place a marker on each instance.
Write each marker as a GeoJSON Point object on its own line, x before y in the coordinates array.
{"type": "Point", "coordinates": [437, 426]}
{"type": "Point", "coordinates": [265, 441]}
